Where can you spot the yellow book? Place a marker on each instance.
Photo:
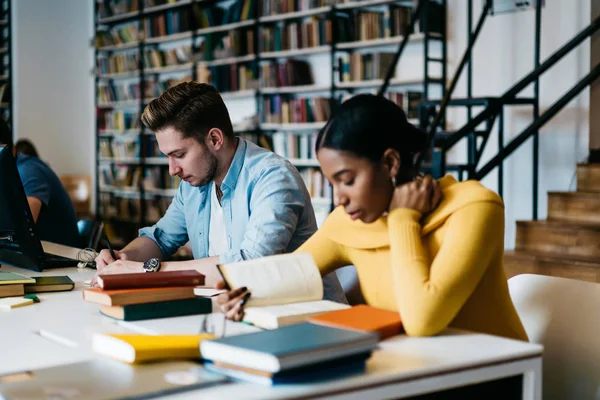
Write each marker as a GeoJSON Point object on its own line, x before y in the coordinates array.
{"type": "Point", "coordinates": [135, 349]}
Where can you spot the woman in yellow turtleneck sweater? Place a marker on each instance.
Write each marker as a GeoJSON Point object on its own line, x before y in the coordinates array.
{"type": "Point", "coordinates": [431, 250]}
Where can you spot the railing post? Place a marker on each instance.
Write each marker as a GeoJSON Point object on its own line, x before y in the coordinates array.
{"type": "Point", "coordinates": [438, 162]}
{"type": "Point", "coordinates": [536, 111]}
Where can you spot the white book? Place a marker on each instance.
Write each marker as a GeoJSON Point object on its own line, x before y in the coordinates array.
{"type": "Point", "coordinates": [286, 289]}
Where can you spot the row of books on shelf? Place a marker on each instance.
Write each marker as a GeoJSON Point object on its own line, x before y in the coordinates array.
{"type": "Point", "coordinates": [287, 73]}
{"type": "Point", "coordinates": [130, 177]}
{"type": "Point", "coordinates": [152, 58]}
{"type": "Point", "coordinates": [294, 146]}
{"type": "Point", "coordinates": [228, 78]}
{"type": "Point", "coordinates": [130, 91]}
{"type": "Point", "coordinates": [282, 110]}
{"type": "Point", "coordinates": [187, 18]}
{"type": "Point", "coordinates": [299, 35]}
{"type": "Point", "coordinates": [277, 7]}
{"type": "Point", "coordinates": [360, 67]}
{"type": "Point", "coordinates": [317, 185]}
{"type": "Point", "coordinates": [120, 120]}
{"type": "Point", "coordinates": [126, 146]}
{"type": "Point", "coordinates": [113, 206]}
{"type": "Point", "coordinates": [315, 31]}
{"type": "Point", "coordinates": [178, 21]}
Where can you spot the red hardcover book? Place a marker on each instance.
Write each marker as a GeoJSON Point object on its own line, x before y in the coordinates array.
{"type": "Point", "coordinates": [151, 280]}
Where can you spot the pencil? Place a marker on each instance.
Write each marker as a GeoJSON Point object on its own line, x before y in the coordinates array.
{"type": "Point", "coordinates": [112, 252]}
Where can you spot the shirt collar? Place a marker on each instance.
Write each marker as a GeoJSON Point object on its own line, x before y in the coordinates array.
{"type": "Point", "coordinates": [236, 165]}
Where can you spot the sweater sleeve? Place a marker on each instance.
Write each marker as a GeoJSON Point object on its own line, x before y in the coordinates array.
{"type": "Point", "coordinates": [328, 255]}
{"type": "Point", "coordinates": [430, 293]}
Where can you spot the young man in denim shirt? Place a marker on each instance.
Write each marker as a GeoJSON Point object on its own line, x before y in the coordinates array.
{"type": "Point", "coordinates": [236, 200]}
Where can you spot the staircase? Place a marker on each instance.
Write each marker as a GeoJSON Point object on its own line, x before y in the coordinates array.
{"type": "Point", "coordinates": [567, 244]}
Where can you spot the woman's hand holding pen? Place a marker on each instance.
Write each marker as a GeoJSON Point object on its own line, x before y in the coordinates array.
{"type": "Point", "coordinates": [232, 302]}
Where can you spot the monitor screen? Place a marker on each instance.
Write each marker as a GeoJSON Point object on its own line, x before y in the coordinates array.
{"type": "Point", "coordinates": [19, 244]}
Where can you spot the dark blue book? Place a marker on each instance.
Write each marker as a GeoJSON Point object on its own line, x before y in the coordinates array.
{"type": "Point", "coordinates": [333, 369]}
{"type": "Point", "coordinates": [161, 309]}
{"type": "Point", "coordinates": [288, 347]}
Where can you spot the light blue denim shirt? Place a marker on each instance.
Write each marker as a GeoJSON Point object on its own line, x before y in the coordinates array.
{"type": "Point", "coordinates": [266, 210]}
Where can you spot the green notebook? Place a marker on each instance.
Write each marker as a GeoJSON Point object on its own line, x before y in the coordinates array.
{"type": "Point", "coordinates": [11, 278]}
{"type": "Point", "coordinates": [50, 284]}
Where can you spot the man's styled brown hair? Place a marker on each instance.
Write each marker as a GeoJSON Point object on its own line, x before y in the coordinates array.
{"type": "Point", "coordinates": [192, 108]}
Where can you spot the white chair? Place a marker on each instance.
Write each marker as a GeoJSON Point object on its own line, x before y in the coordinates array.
{"type": "Point", "coordinates": [564, 316]}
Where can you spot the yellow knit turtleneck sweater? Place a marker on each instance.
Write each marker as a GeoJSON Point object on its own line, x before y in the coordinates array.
{"type": "Point", "coordinates": [444, 269]}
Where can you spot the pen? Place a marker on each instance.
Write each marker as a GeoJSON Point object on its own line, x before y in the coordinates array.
{"type": "Point", "coordinates": [112, 252]}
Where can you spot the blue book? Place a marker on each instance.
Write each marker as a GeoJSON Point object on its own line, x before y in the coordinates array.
{"type": "Point", "coordinates": [289, 347]}
{"type": "Point", "coordinates": [328, 370]}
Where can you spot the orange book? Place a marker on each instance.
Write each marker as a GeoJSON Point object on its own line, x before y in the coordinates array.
{"type": "Point", "coordinates": [362, 318]}
{"type": "Point", "coordinates": [125, 297]}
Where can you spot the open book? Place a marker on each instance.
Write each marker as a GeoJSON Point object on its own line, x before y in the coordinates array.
{"type": "Point", "coordinates": [286, 289]}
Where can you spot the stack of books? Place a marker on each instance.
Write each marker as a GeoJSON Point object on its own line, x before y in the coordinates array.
{"type": "Point", "coordinates": [297, 353]}
{"type": "Point", "coordinates": [12, 284]}
{"type": "Point", "coordinates": [134, 297]}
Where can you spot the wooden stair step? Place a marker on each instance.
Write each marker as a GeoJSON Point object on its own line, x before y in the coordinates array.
{"type": "Point", "coordinates": [526, 262]}
{"type": "Point", "coordinates": [563, 238]}
{"type": "Point", "coordinates": [574, 206]}
{"type": "Point", "coordinates": [588, 177]}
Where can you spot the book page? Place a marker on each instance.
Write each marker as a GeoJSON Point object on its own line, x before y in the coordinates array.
{"type": "Point", "coordinates": [308, 307]}
{"type": "Point", "coordinates": [282, 279]}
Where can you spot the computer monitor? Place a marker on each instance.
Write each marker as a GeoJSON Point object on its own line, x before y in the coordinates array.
{"type": "Point", "coordinates": [19, 244]}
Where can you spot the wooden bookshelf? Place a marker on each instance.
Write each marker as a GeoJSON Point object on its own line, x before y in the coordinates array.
{"type": "Point", "coordinates": [251, 25]}
{"type": "Point", "coordinates": [6, 71]}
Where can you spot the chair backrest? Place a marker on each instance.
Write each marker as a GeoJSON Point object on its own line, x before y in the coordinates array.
{"type": "Point", "coordinates": [564, 316]}
{"type": "Point", "coordinates": [90, 232]}
{"type": "Point", "coordinates": [79, 188]}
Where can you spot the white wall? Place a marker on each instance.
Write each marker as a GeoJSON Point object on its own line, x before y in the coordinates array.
{"type": "Point", "coordinates": [502, 56]}
{"type": "Point", "coordinates": [54, 86]}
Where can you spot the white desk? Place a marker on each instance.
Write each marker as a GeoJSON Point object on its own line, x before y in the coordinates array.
{"type": "Point", "coordinates": [402, 367]}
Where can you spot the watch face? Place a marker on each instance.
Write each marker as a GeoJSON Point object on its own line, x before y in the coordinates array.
{"type": "Point", "coordinates": [151, 265]}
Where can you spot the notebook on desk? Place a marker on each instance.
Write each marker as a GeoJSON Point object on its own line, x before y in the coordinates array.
{"type": "Point", "coordinates": [101, 379]}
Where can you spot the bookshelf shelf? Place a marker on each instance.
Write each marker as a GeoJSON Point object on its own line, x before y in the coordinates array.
{"type": "Point", "coordinates": [169, 69]}
{"type": "Point", "coordinates": [120, 160]}
{"type": "Point", "coordinates": [169, 38]}
{"type": "Point", "coordinates": [120, 75]}
{"type": "Point", "coordinates": [119, 104]}
{"type": "Point", "coordinates": [296, 14]}
{"type": "Point", "coordinates": [239, 94]}
{"type": "Point", "coordinates": [119, 18]}
{"type": "Point", "coordinates": [226, 27]}
{"type": "Point", "coordinates": [118, 47]}
{"type": "Point", "coordinates": [230, 60]}
{"type": "Point", "coordinates": [299, 162]}
{"type": "Point", "coordinates": [6, 66]}
{"type": "Point", "coordinates": [115, 132]}
{"type": "Point", "coordinates": [308, 126]}
{"type": "Point", "coordinates": [162, 192]}
{"type": "Point", "coordinates": [295, 89]}
{"type": "Point", "coordinates": [383, 42]}
{"type": "Point", "coordinates": [367, 3]}
{"type": "Point", "coordinates": [169, 6]}
{"type": "Point", "coordinates": [296, 52]}
{"type": "Point", "coordinates": [375, 83]}
{"type": "Point", "coordinates": [156, 160]}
